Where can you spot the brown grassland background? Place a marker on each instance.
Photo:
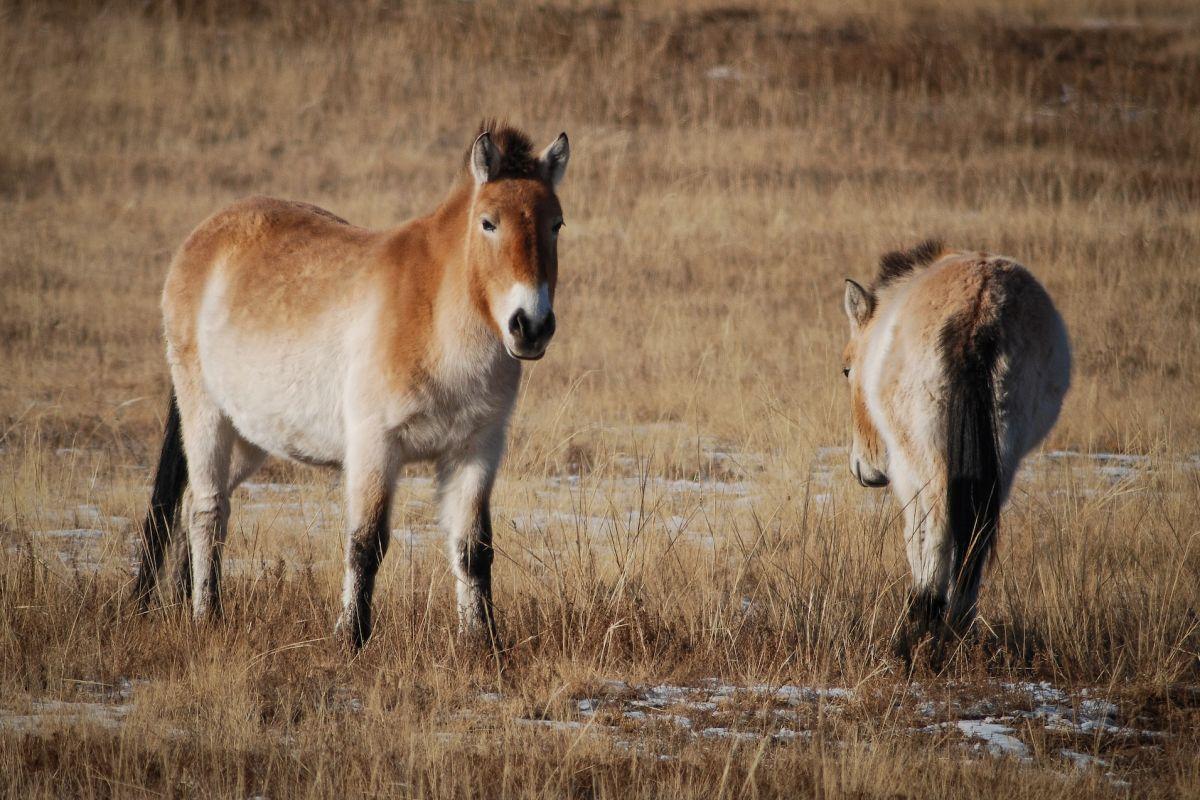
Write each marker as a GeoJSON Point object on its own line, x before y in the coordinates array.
{"type": "Point", "coordinates": [670, 509]}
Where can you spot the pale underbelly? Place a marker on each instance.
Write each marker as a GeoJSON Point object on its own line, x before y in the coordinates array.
{"type": "Point", "coordinates": [296, 397]}
{"type": "Point", "coordinates": [289, 404]}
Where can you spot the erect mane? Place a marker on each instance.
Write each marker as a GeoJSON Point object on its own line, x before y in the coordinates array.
{"type": "Point", "coordinates": [898, 263]}
{"type": "Point", "coordinates": [517, 159]}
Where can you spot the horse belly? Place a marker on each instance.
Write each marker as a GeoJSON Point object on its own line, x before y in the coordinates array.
{"type": "Point", "coordinates": [282, 394]}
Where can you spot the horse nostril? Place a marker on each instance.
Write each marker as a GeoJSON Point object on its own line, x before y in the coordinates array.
{"type": "Point", "coordinates": [518, 324]}
{"type": "Point", "coordinates": [548, 327]}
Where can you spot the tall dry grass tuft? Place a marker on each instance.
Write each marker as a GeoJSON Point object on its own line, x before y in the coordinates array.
{"type": "Point", "coordinates": [674, 506]}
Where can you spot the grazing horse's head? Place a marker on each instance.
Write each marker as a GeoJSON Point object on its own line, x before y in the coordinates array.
{"type": "Point", "coordinates": [512, 236]}
{"type": "Point", "coordinates": [868, 454]}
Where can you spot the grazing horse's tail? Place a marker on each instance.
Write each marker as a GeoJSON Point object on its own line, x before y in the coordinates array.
{"type": "Point", "coordinates": [170, 480]}
{"type": "Point", "coordinates": [973, 487]}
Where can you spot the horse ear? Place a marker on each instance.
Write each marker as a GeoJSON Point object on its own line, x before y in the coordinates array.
{"type": "Point", "coordinates": [554, 159]}
{"type": "Point", "coordinates": [483, 158]}
{"type": "Point", "coordinates": [859, 305]}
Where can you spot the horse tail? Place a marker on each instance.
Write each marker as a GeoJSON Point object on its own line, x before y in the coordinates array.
{"type": "Point", "coordinates": [974, 480]}
{"type": "Point", "coordinates": [166, 497]}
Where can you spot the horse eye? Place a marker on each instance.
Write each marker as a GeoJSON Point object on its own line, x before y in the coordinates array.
{"type": "Point", "coordinates": [489, 226]}
{"type": "Point", "coordinates": [558, 226]}
{"type": "Point", "coordinates": [845, 372]}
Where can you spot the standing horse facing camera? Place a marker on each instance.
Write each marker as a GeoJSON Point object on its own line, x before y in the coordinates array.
{"type": "Point", "coordinates": [294, 333]}
{"type": "Point", "coordinates": [958, 364]}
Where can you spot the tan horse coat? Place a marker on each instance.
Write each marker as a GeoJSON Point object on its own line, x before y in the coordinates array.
{"type": "Point", "coordinates": [293, 333]}
{"type": "Point", "coordinates": [958, 364]}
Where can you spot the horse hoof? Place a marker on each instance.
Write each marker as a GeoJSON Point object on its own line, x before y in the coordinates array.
{"type": "Point", "coordinates": [350, 636]}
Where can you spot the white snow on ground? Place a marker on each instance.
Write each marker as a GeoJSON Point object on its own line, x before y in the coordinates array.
{"type": "Point", "coordinates": [712, 699]}
{"type": "Point", "coordinates": [711, 709]}
{"type": "Point", "coordinates": [562, 725]}
{"type": "Point", "coordinates": [536, 520]}
{"type": "Point", "coordinates": [996, 737]}
{"type": "Point", "coordinates": [269, 487]}
{"type": "Point", "coordinates": [83, 534]}
{"type": "Point", "coordinates": [633, 716]}
{"type": "Point", "coordinates": [992, 726]}
{"type": "Point", "coordinates": [72, 533]}
{"type": "Point", "coordinates": [656, 486]}
{"type": "Point", "coordinates": [50, 714]}
{"type": "Point", "coordinates": [1082, 760]}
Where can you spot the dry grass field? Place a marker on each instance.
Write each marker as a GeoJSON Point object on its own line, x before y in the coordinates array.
{"type": "Point", "coordinates": [696, 598]}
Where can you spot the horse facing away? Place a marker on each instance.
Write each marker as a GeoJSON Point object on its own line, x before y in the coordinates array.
{"type": "Point", "coordinates": [958, 363]}
{"type": "Point", "coordinates": [294, 333]}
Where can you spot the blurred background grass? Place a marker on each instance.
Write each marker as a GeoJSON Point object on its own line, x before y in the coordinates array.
{"type": "Point", "coordinates": [673, 461]}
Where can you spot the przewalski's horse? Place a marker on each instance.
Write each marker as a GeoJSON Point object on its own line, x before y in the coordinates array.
{"type": "Point", "coordinates": [294, 333]}
{"type": "Point", "coordinates": [958, 363]}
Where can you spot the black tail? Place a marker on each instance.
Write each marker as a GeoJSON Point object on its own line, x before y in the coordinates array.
{"type": "Point", "coordinates": [973, 488]}
{"type": "Point", "coordinates": [170, 480]}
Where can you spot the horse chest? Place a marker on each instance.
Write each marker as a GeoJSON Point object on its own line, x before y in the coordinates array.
{"type": "Point", "coordinates": [440, 421]}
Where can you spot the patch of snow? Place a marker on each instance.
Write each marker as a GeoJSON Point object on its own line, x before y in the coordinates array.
{"type": "Point", "coordinates": [723, 73]}
{"type": "Point", "coordinates": [1099, 709]}
{"type": "Point", "coordinates": [1082, 760]}
{"type": "Point", "coordinates": [788, 735]}
{"type": "Point", "coordinates": [561, 724]}
{"type": "Point", "coordinates": [927, 708]}
{"type": "Point", "coordinates": [794, 695]}
{"type": "Point", "coordinates": [1128, 459]}
{"type": "Point", "coordinates": [257, 487]}
{"type": "Point", "coordinates": [49, 712]}
{"type": "Point", "coordinates": [995, 736]}
{"type": "Point", "coordinates": [1116, 473]}
{"type": "Point", "coordinates": [73, 533]}
{"type": "Point", "coordinates": [539, 519]}
{"type": "Point", "coordinates": [642, 716]}
{"type": "Point", "coordinates": [1040, 692]}
{"type": "Point", "coordinates": [725, 733]}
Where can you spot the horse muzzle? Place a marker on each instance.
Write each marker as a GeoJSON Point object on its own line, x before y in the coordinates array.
{"type": "Point", "coordinates": [528, 337]}
{"type": "Point", "coordinates": [871, 478]}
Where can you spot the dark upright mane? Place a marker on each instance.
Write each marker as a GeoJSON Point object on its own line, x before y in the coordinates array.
{"type": "Point", "coordinates": [898, 263]}
{"type": "Point", "coordinates": [517, 159]}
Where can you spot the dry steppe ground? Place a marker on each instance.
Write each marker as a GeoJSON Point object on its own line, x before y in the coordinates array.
{"type": "Point", "coordinates": [697, 600]}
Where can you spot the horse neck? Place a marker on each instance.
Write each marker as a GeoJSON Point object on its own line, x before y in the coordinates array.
{"type": "Point", "coordinates": [464, 336]}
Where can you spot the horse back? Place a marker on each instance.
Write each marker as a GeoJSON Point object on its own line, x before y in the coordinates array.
{"type": "Point", "coordinates": [280, 264]}
{"type": "Point", "coordinates": [976, 315]}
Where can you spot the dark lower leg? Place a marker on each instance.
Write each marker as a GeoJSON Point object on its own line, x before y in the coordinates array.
{"type": "Point", "coordinates": [924, 616]}
{"type": "Point", "coordinates": [367, 547]}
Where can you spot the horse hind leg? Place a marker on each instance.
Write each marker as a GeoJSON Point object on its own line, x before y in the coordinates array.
{"type": "Point", "coordinates": [245, 461]}
{"type": "Point", "coordinates": [929, 553]}
{"type": "Point", "coordinates": [208, 438]}
{"type": "Point", "coordinates": [181, 559]}
{"type": "Point", "coordinates": [964, 599]}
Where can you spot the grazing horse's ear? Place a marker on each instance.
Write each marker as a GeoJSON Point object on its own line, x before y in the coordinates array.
{"type": "Point", "coordinates": [859, 304]}
{"type": "Point", "coordinates": [483, 158]}
{"type": "Point", "coordinates": [554, 159]}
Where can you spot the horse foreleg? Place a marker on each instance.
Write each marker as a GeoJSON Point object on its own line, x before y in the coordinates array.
{"type": "Point", "coordinates": [465, 487]}
{"type": "Point", "coordinates": [369, 483]}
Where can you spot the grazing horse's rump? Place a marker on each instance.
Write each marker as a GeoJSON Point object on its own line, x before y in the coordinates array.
{"type": "Point", "coordinates": [958, 364]}
{"type": "Point", "coordinates": [294, 333]}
